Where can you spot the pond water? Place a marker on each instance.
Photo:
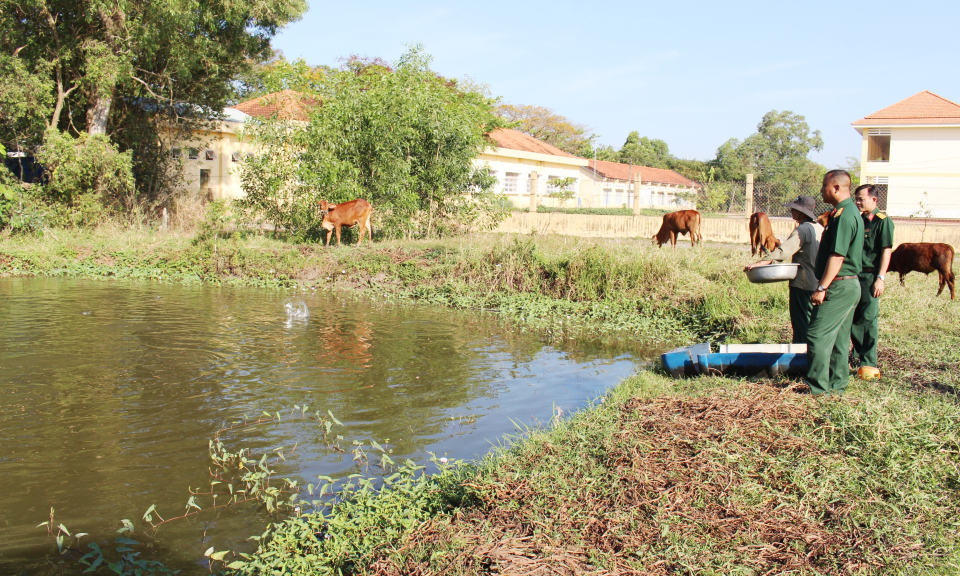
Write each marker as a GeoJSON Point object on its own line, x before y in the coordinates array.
{"type": "Point", "coordinates": [111, 391]}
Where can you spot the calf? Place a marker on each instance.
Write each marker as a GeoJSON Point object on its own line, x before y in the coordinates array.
{"type": "Point", "coordinates": [761, 234]}
{"type": "Point", "coordinates": [354, 212]}
{"type": "Point", "coordinates": [824, 218]}
{"type": "Point", "coordinates": [925, 257]}
{"type": "Point", "coordinates": [675, 223]}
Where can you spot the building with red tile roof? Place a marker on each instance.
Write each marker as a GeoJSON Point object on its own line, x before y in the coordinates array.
{"type": "Point", "coordinates": [912, 149]}
{"type": "Point", "coordinates": [612, 184]}
{"type": "Point", "coordinates": [285, 105]}
{"type": "Point", "coordinates": [525, 168]}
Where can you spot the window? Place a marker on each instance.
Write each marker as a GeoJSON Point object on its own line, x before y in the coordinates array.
{"type": "Point", "coordinates": [878, 145]}
{"type": "Point", "coordinates": [236, 156]}
{"type": "Point", "coordinates": [174, 152]}
{"type": "Point", "coordinates": [193, 154]}
{"type": "Point", "coordinates": [551, 184]}
{"type": "Point", "coordinates": [607, 196]}
{"type": "Point", "coordinates": [209, 155]}
{"type": "Point", "coordinates": [619, 198]}
{"type": "Point", "coordinates": [204, 178]}
{"type": "Point", "coordinates": [510, 183]}
{"type": "Point", "coordinates": [882, 187]}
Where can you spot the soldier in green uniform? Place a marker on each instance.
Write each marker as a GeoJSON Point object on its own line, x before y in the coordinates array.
{"type": "Point", "coordinates": [877, 247]}
{"type": "Point", "coordinates": [838, 293]}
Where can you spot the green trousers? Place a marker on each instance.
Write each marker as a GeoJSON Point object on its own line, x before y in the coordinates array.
{"type": "Point", "coordinates": [800, 310]}
{"type": "Point", "coordinates": [828, 339]}
{"type": "Point", "coordinates": [865, 329]}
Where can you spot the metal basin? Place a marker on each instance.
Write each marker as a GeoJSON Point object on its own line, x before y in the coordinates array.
{"type": "Point", "coordinates": [773, 273]}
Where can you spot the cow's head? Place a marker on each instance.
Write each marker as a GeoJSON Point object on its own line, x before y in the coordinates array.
{"type": "Point", "coordinates": [658, 241]}
{"type": "Point", "coordinates": [824, 218]}
{"type": "Point", "coordinates": [326, 207]}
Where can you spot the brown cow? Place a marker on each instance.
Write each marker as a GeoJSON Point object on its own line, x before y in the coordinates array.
{"type": "Point", "coordinates": [925, 257]}
{"type": "Point", "coordinates": [761, 234]}
{"type": "Point", "coordinates": [824, 218]}
{"type": "Point", "coordinates": [354, 212]}
{"type": "Point", "coordinates": [676, 223]}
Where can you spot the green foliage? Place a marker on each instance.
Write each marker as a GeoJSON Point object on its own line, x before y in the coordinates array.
{"type": "Point", "coordinates": [86, 173]}
{"type": "Point", "coordinates": [403, 139]}
{"type": "Point", "coordinates": [599, 211]}
{"type": "Point", "coordinates": [127, 562]}
{"type": "Point", "coordinates": [645, 152]}
{"type": "Point", "coordinates": [26, 101]}
{"type": "Point", "coordinates": [777, 152]}
{"type": "Point", "coordinates": [139, 71]}
{"type": "Point", "coordinates": [364, 519]}
{"type": "Point", "coordinates": [562, 189]}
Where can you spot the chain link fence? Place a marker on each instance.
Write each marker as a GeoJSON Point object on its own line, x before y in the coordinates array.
{"type": "Point", "coordinates": [771, 197]}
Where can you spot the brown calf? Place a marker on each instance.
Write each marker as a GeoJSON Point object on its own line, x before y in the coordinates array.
{"type": "Point", "coordinates": [925, 257]}
{"type": "Point", "coordinates": [354, 212]}
{"type": "Point", "coordinates": [676, 223]}
{"type": "Point", "coordinates": [761, 234]}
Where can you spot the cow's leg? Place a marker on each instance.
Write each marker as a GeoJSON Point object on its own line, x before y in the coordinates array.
{"type": "Point", "coordinates": [369, 230]}
{"type": "Point", "coordinates": [338, 235]}
{"type": "Point", "coordinates": [329, 236]}
{"type": "Point", "coordinates": [943, 281]}
{"type": "Point", "coordinates": [950, 282]}
{"type": "Point", "coordinates": [673, 239]}
{"type": "Point", "coordinates": [901, 279]}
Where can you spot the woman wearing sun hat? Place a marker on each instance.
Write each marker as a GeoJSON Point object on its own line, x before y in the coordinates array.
{"type": "Point", "coordinates": [801, 246]}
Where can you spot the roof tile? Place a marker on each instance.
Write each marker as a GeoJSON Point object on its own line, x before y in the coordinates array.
{"type": "Point", "coordinates": [618, 171]}
{"type": "Point", "coordinates": [921, 108]}
{"type": "Point", "coordinates": [286, 105]}
{"type": "Point", "coordinates": [516, 140]}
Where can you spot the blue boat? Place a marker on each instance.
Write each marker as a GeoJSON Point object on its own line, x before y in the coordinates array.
{"type": "Point", "coordinates": [740, 359]}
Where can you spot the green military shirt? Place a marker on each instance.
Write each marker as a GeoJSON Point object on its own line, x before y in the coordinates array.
{"type": "Point", "coordinates": [844, 236]}
{"type": "Point", "coordinates": [877, 235]}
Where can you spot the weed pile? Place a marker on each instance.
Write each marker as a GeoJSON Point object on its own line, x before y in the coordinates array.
{"type": "Point", "coordinates": [683, 487]}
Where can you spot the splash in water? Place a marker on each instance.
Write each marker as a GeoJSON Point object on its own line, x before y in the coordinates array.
{"type": "Point", "coordinates": [297, 312]}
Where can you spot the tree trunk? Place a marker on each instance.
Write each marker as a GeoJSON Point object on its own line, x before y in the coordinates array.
{"type": "Point", "coordinates": [98, 112]}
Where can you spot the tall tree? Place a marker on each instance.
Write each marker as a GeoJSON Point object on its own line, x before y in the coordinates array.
{"type": "Point", "coordinates": [399, 136]}
{"type": "Point", "coordinates": [545, 124]}
{"type": "Point", "coordinates": [777, 152]}
{"type": "Point", "coordinates": [645, 151]}
{"type": "Point", "coordinates": [123, 68]}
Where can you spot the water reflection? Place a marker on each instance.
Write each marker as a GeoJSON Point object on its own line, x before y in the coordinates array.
{"type": "Point", "coordinates": [111, 391]}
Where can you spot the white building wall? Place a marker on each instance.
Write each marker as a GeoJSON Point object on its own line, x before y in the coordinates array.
{"type": "Point", "coordinates": [923, 172]}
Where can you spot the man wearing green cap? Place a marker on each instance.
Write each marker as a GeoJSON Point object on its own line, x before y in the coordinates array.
{"type": "Point", "coordinates": [877, 247]}
{"type": "Point", "coordinates": [839, 262]}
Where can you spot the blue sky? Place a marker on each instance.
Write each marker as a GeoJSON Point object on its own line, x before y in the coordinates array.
{"type": "Point", "coordinates": [690, 73]}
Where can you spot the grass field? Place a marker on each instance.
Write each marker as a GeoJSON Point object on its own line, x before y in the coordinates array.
{"type": "Point", "coordinates": [698, 476]}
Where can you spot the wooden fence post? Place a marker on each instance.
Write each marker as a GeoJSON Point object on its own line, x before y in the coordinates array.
{"type": "Point", "coordinates": [748, 205]}
{"type": "Point", "coordinates": [533, 190]}
{"type": "Point", "coordinates": [636, 193]}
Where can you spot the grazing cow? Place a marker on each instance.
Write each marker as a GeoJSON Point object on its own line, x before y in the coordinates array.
{"type": "Point", "coordinates": [675, 223]}
{"type": "Point", "coordinates": [354, 212]}
{"type": "Point", "coordinates": [925, 257]}
{"type": "Point", "coordinates": [824, 218]}
{"type": "Point", "coordinates": [761, 234]}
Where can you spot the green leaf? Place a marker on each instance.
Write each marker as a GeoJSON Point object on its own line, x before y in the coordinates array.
{"type": "Point", "coordinates": [219, 555]}
{"type": "Point", "coordinates": [236, 565]}
{"type": "Point", "coordinates": [209, 551]}
{"type": "Point", "coordinates": [64, 528]}
{"type": "Point", "coordinates": [334, 418]}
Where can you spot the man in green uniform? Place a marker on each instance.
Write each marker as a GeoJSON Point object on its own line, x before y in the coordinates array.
{"type": "Point", "coordinates": [877, 247]}
{"type": "Point", "coordinates": [836, 297]}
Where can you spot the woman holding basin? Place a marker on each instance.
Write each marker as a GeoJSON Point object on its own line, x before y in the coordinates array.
{"type": "Point", "coordinates": [801, 246]}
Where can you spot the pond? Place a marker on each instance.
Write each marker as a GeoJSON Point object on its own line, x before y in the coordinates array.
{"type": "Point", "coordinates": [111, 392]}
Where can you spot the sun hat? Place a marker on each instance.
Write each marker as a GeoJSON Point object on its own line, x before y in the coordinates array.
{"type": "Point", "coordinates": [804, 204]}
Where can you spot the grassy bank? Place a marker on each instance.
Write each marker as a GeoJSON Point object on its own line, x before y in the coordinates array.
{"type": "Point", "coordinates": [560, 287]}
{"type": "Point", "coordinates": [701, 476]}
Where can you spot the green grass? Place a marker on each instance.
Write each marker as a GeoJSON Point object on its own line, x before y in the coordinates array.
{"type": "Point", "coordinates": [699, 476]}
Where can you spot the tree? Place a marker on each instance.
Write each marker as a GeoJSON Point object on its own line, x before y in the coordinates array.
{"type": "Point", "coordinates": [645, 151]}
{"type": "Point", "coordinates": [401, 137]}
{"type": "Point", "coordinates": [545, 124]}
{"type": "Point", "coordinates": [130, 69]}
{"type": "Point", "coordinates": [777, 152]}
